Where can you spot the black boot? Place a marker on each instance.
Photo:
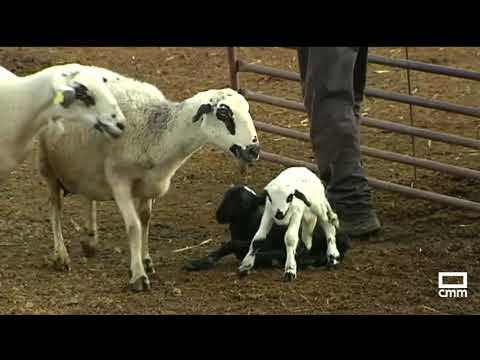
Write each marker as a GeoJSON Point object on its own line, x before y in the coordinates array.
{"type": "Point", "coordinates": [351, 199]}
{"type": "Point", "coordinates": [360, 222]}
{"type": "Point", "coordinates": [348, 186]}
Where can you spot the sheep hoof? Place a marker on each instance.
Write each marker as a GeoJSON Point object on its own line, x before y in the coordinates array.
{"type": "Point", "coordinates": [243, 272]}
{"type": "Point", "coordinates": [332, 262]}
{"type": "Point", "coordinates": [148, 264]}
{"type": "Point", "coordinates": [246, 265]}
{"type": "Point", "coordinates": [141, 284]}
{"type": "Point", "coordinates": [60, 264]}
{"type": "Point", "coordinates": [88, 250]}
{"type": "Point", "coordinates": [289, 276]}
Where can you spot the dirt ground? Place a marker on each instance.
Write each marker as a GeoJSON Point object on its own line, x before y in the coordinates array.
{"type": "Point", "coordinates": [394, 273]}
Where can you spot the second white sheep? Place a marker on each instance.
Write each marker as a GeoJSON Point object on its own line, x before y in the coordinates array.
{"type": "Point", "coordinates": [29, 103]}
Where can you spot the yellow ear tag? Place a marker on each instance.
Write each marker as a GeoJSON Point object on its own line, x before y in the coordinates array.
{"type": "Point", "coordinates": [58, 98]}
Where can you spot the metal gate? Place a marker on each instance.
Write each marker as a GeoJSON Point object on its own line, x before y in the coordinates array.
{"type": "Point", "coordinates": [238, 66]}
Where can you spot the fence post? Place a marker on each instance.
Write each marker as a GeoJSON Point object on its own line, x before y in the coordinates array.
{"type": "Point", "coordinates": [234, 77]}
{"type": "Point", "coordinates": [235, 84]}
{"type": "Point", "coordinates": [411, 120]}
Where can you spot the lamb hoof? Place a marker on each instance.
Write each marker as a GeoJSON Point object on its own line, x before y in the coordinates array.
{"type": "Point", "coordinates": [243, 272]}
{"type": "Point", "coordinates": [60, 264]}
{"type": "Point", "coordinates": [289, 276]}
{"type": "Point", "coordinates": [141, 284]}
{"type": "Point", "coordinates": [148, 264]}
{"type": "Point", "coordinates": [332, 262]}
{"type": "Point", "coordinates": [246, 265]}
{"type": "Point", "coordinates": [88, 250]}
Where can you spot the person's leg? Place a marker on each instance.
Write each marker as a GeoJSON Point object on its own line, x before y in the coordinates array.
{"type": "Point", "coordinates": [348, 188]}
{"type": "Point", "coordinates": [302, 55]}
{"type": "Point", "coordinates": [360, 81]}
{"type": "Point", "coordinates": [333, 81]}
{"type": "Point", "coordinates": [328, 97]}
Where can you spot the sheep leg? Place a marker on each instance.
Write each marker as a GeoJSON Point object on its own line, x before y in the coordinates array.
{"type": "Point", "coordinates": [308, 226]}
{"type": "Point", "coordinates": [212, 258]}
{"type": "Point", "coordinates": [261, 234]}
{"type": "Point", "coordinates": [138, 278]}
{"type": "Point", "coordinates": [332, 216]}
{"type": "Point", "coordinates": [333, 255]}
{"type": "Point", "coordinates": [144, 208]}
{"type": "Point", "coordinates": [239, 248]}
{"type": "Point", "coordinates": [329, 222]}
{"type": "Point", "coordinates": [61, 260]}
{"type": "Point", "coordinates": [89, 239]}
{"type": "Point", "coordinates": [236, 247]}
{"type": "Point", "coordinates": [291, 243]}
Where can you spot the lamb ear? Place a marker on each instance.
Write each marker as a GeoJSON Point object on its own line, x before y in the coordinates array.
{"type": "Point", "coordinates": [202, 110]}
{"type": "Point", "coordinates": [261, 197]}
{"type": "Point", "coordinates": [301, 196]}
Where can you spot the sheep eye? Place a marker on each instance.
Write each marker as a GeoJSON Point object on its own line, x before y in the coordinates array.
{"type": "Point", "coordinates": [290, 198]}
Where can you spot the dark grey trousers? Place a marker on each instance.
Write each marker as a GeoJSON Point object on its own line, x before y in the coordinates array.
{"type": "Point", "coordinates": [333, 85]}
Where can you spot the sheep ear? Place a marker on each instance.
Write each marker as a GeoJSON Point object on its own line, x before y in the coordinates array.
{"type": "Point", "coordinates": [202, 110]}
{"type": "Point", "coordinates": [71, 74]}
{"type": "Point", "coordinates": [64, 96]}
{"type": "Point", "coordinates": [64, 89]}
{"type": "Point", "coordinates": [81, 93]}
{"type": "Point", "coordinates": [69, 97]}
{"type": "Point", "coordinates": [67, 94]}
{"type": "Point", "coordinates": [301, 196]}
{"type": "Point", "coordinates": [261, 197]}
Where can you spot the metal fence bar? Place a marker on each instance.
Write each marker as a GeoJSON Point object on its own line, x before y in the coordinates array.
{"type": "Point", "coordinates": [382, 154]}
{"type": "Point", "coordinates": [273, 100]}
{"type": "Point", "coordinates": [421, 66]}
{"type": "Point", "coordinates": [244, 66]}
{"type": "Point", "coordinates": [420, 132]}
{"type": "Point", "coordinates": [383, 185]}
{"type": "Point", "coordinates": [375, 123]}
{"type": "Point", "coordinates": [370, 92]}
{"type": "Point", "coordinates": [424, 67]}
{"type": "Point", "coordinates": [423, 102]}
{"type": "Point", "coordinates": [410, 108]}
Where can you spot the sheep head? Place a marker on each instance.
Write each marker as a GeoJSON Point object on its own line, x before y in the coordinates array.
{"type": "Point", "coordinates": [83, 96]}
{"type": "Point", "coordinates": [226, 121]}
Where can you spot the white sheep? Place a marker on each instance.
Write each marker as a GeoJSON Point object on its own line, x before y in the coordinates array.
{"type": "Point", "coordinates": [29, 103]}
{"type": "Point", "coordinates": [296, 197]}
{"type": "Point", "coordinates": [138, 167]}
